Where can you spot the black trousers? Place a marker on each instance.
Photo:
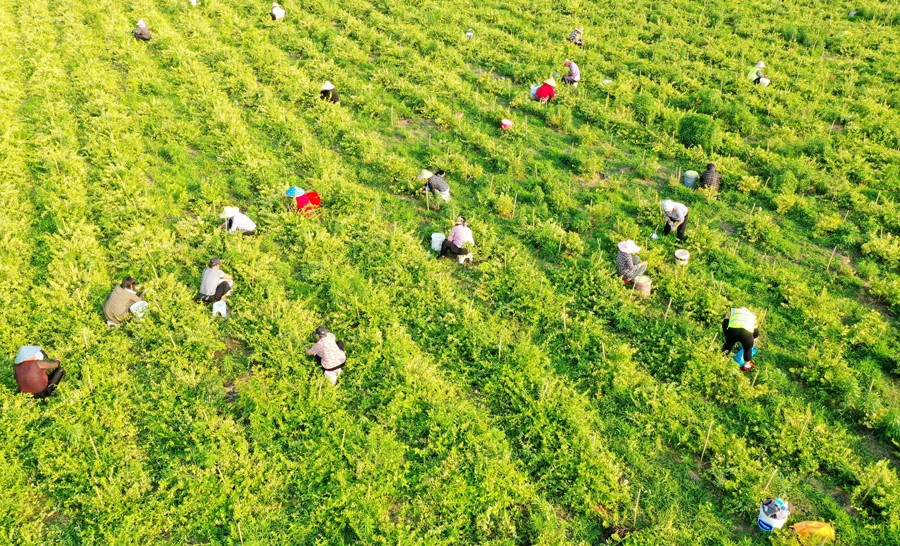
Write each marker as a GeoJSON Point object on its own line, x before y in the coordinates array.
{"type": "Point", "coordinates": [738, 335]}
{"type": "Point", "coordinates": [450, 248]}
{"type": "Point", "coordinates": [679, 231]}
{"type": "Point", "coordinates": [55, 377]}
{"type": "Point", "coordinates": [221, 290]}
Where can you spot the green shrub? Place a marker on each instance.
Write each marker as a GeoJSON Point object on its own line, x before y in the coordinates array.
{"type": "Point", "coordinates": [503, 205]}
{"type": "Point", "coordinates": [645, 107]}
{"type": "Point", "coordinates": [699, 130]}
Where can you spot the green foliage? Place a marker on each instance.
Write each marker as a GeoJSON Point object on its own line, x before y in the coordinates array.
{"type": "Point", "coordinates": [699, 130]}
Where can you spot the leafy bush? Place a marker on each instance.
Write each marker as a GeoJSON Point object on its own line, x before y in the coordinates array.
{"type": "Point", "coordinates": [699, 130]}
{"type": "Point", "coordinates": [645, 107]}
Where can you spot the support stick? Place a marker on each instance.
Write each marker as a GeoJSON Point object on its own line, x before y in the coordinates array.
{"type": "Point", "coordinates": [708, 432]}
{"type": "Point", "coordinates": [878, 477]}
{"type": "Point", "coordinates": [667, 308]}
{"type": "Point", "coordinates": [636, 502]}
{"type": "Point", "coordinates": [829, 259]}
{"type": "Point", "coordinates": [803, 429]}
{"type": "Point", "coordinates": [753, 383]}
{"type": "Point", "coordinates": [772, 477]}
{"type": "Point", "coordinates": [515, 201]}
{"type": "Point", "coordinates": [872, 384]}
{"type": "Point", "coordinates": [713, 342]}
{"type": "Point", "coordinates": [603, 347]}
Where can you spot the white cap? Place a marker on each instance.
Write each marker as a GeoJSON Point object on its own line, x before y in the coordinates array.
{"type": "Point", "coordinates": [668, 205]}
{"type": "Point", "coordinates": [760, 64]}
{"type": "Point", "coordinates": [229, 212]}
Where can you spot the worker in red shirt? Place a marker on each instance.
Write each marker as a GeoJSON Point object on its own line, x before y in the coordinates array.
{"type": "Point", "coordinates": [546, 91]}
{"type": "Point", "coordinates": [30, 372]}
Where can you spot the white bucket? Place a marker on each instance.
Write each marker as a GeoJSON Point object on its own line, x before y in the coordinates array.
{"type": "Point", "coordinates": [764, 82]}
{"type": "Point", "coordinates": [138, 308]}
{"type": "Point", "coordinates": [690, 178]}
{"type": "Point", "coordinates": [767, 523]}
{"type": "Point", "coordinates": [682, 256]}
{"type": "Point", "coordinates": [437, 240]}
{"type": "Point", "coordinates": [220, 308]}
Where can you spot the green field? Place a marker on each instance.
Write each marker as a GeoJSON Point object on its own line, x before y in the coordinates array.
{"type": "Point", "coordinates": [527, 398]}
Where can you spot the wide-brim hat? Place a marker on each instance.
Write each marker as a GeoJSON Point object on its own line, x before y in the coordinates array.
{"type": "Point", "coordinates": [295, 191]}
{"type": "Point", "coordinates": [629, 247]}
{"type": "Point", "coordinates": [424, 175]}
{"type": "Point", "coordinates": [229, 212]}
{"type": "Point", "coordinates": [327, 86]}
{"type": "Point", "coordinates": [26, 352]}
{"type": "Point", "coordinates": [580, 29]}
{"type": "Point", "coordinates": [551, 82]}
{"type": "Point", "coordinates": [760, 64]}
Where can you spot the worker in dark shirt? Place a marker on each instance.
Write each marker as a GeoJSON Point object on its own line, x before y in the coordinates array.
{"type": "Point", "coordinates": [141, 32]}
{"type": "Point", "coordinates": [710, 178]}
{"type": "Point", "coordinates": [327, 92]}
{"type": "Point", "coordinates": [31, 372]}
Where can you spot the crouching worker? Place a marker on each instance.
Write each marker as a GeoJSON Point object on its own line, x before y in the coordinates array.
{"type": "Point", "coordinates": [739, 326]}
{"type": "Point", "coordinates": [277, 12]}
{"type": "Point", "coordinates": [546, 91]}
{"type": "Point", "coordinates": [435, 184]}
{"type": "Point", "coordinates": [577, 36]}
{"type": "Point", "coordinates": [329, 354]}
{"type": "Point", "coordinates": [455, 244]}
{"type": "Point", "coordinates": [628, 265]}
{"type": "Point", "coordinates": [123, 301]}
{"type": "Point", "coordinates": [328, 93]}
{"type": "Point", "coordinates": [141, 32]}
{"type": "Point", "coordinates": [30, 372]}
{"type": "Point", "coordinates": [236, 221]}
{"type": "Point", "coordinates": [215, 284]}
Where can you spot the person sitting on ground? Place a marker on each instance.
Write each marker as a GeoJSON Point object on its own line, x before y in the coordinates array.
{"type": "Point", "coordinates": [235, 221]}
{"type": "Point", "coordinates": [121, 302]}
{"type": "Point", "coordinates": [141, 32]}
{"type": "Point", "coordinates": [30, 372]}
{"type": "Point", "coordinates": [710, 178]}
{"type": "Point", "coordinates": [758, 73]}
{"type": "Point", "coordinates": [329, 354]}
{"type": "Point", "coordinates": [460, 236]}
{"type": "Point", "coordinates": [546, 91]}
{"type": "Point", "coordinates": [277, 12]}
{"type": "Point", "coordinates": [215, 284]}
{"type": "Point", "coordinates": [577, 37]}
{"type": "Point", "coordinates": [739, 326]}
{"type": "Point", "coordinates": [435, 183]}
{"type": "Point", "coordinates": [574, 75]}
{"type": "Point", "coordinates": [676, 216]}
{"type": "Point", "coordinates": [628, 265]}
{"type": "Point", "coordinates": [328, 93]}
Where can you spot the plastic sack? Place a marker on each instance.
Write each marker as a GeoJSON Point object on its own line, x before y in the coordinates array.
{"type": "Point", "coordinates": [813, 532]}
{"type": "Point", "coordinates": [534, 89]}
{"type": "Point", "coordinates": [739, 357]}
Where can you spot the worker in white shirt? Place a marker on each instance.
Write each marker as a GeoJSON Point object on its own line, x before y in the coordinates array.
{"type": "Point", "coordinates": [236, 221]}
{"type": "Point", "coordinates": [277, 12]}
{"type": "Point", "coordinates": [676, 218]}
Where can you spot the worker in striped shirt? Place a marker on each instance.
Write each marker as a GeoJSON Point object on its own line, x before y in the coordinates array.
{"type": "Point", "coordinates": [574, 75]}
{"type": "Point", "coordinates": [576, 36]}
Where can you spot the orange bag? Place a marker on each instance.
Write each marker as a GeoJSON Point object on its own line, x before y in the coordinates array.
{"type": "Point", "coordinates": [813, 532]}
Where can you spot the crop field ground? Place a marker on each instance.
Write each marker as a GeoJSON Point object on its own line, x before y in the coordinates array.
{"type": "Point", "coordinates": [527, 398]}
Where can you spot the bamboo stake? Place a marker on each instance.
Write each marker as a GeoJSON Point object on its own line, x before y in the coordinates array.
{"type": "Point", "coordinates": [770, 479]}
{"type": "Point", "coordinates": [713, 342]}
{"type": "Point", "coordinates": [872, 384]}
{"type": "Point", "coordinates": [753, 208]}
{"type": "Point", "coordinates": [708, 432]}
{"type": "Point", "coordinates": [93, 445]}
{"type": "Point", "coordinates": [559, 249]}
{"type": "Point", "coordinates": [803, 429]}
{"type": "Point", "coordinates": [240, 533]}
{"type": "Point", "coordinates": [829, 259]}
{"type": "Point", "coordinates": [564, 318]}
{"type": "Point", "coordinates": [603, 347]}
{"type": "Point", "coordinates": [500, 350]}
{"type": "Point", "coordinates": [753, 383]}
{"type": "Point", "coordinates": [515, 201]}
{"type": "Point", "coordinates": [636, 502]}
{"type": "Point", "coordinates": [667, 308]}
{"type": "Point", "coordinates": [878, 477]}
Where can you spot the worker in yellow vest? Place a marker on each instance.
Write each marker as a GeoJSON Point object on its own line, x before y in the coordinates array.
{"type": "Point", "coordinates": [740, 326]}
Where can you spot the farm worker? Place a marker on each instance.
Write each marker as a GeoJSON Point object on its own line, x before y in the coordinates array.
{"type": "Point", "coordinates": [574, 75]}
{"type": "Point", "coordinates": [739, 326]}
{"type": "Point", "coordinates": [576, 36]}
{"type": "Point", "coordinates": [470, 34]}
{"type": "Point", "coordinates": [628, 265]}
{"type": "Point", "coordinates": [546, 91]}
{"type": "Point", "coordinates": [435, 183]}
{"type": "Point", "coordinates": [710, 178]}
{"type": "Point", "coordinates": [30, 372]}
{"type": "Point", "coordinates": [676, 218]}
{"type": "Point", "coordinates": [329, 354]}
{"type": "Point", "coordinates": [757, 74]}
{"type": "Point", "coordinates": [277, 12]}
{"type": "Point", "coordinates": [141, 32]}
{"type": "Point", "coordinates": [236, 221]}
{"type": "Point", "coordinates": [215, 284]}
{"type": "Point", "coordinates": [328, 93]}
{"type": "Point", "coordinates": [121, 302]}
{"type": "Point", "coordinates": [459, 237]}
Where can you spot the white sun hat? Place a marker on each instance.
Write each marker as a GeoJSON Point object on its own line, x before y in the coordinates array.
{"type": "Point", "coordinates": [424, 175]}
{"type": "Point", "coordinates": [229, 212]}
{"type": "Point", "coordinates": [629, 247]}
{"type": "Point", "coordinates": [26, 352]}
{"type": "Point", "coordinates": [327, 86]}
{"type": "Point", "coordinates": [668, 205]}
{"type": "Point", "coordinates": [760, 64]}
{"type": "Point", "coordinates": [142, 24]}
